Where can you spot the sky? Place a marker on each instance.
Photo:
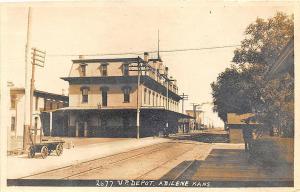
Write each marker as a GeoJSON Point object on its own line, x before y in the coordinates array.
{"type": "Point", "coordinates": [132, 26]}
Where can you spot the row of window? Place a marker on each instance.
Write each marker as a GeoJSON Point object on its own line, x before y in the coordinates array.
{"type": "Point", "coordinates": [103, 70]}
{"type": "Point", "coordinates": [157, 99]}
{"type": "Point", "coordinates": [104, 90]}
{"type": "Point", "coordinates": [125, 70]}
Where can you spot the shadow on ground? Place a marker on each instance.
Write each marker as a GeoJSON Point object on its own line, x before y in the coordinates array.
{"type": "Point", "coordinates": [234, 168]}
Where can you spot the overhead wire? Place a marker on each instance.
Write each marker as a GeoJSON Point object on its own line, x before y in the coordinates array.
{"type": "Point", "coordinates": [138, 53]}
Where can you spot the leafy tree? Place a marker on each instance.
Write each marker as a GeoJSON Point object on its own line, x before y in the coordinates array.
{"type": "Point", "coordinates": [264, 40]}
{"type": "Point", "coordinates": [249, 90]}
{"type": "Point", "coordinates": [229, 93]}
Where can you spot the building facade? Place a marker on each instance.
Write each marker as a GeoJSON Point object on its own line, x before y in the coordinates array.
{"type": "Point", "coordinates": [105, 95]}
{"type": "Point", "coordinates": [42, 101]}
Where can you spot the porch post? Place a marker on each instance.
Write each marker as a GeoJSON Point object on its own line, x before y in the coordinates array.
{"type": "Point", "coordinates": [50, 124]}
{"type": "Point", "coordinates": [77, 129]}
{"type": "Point", "coordinates": [85, 129]}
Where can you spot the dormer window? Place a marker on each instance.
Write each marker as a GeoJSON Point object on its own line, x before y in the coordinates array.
{"type": "Point", "coordinates": [103, 69]}
{"type": "Point", "coordinates": [126, 69]}
{"type": "Point", "coordinates": [83, 69]}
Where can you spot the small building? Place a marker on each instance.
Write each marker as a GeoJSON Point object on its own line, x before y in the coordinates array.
{"type": "Point", "coordinates": [105, 95]}
{"type": "Point", "coordinates": [42, 101]}
{"type": "Point", "coordinates": [235, 124]}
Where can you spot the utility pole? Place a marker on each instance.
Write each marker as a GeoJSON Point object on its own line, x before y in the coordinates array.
{"type": "Point", "coordinates": [139, 68]}
{"type": "Point", "coordinates": [137, 101]}
{"type": "Point", "coordinates": [168, 80]}
{"type": "Point", "coordinates": [195, 105]}
{"type": "Point", "coordinates": [27, 116]}
{"type": "Point", "coordinates": [38, 58]}
{"type": "Point", "coordinates": [158, 56]}
{"type": "Point", "coordinates": [183, 98]}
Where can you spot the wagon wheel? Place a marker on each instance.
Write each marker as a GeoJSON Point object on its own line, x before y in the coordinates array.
{"type": "Point", "coordinates": [59, 149]}
{"type": "Point", "coordinates": [44, 152]}
{"type": "Point", "coordinates": [31, 152]}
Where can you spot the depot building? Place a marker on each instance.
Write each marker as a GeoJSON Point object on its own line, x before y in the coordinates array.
{"type": "Point", "coordinates": [105, 94]}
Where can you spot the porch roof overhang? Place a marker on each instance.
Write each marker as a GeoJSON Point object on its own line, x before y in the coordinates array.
{"type": "Point", "coordinates": [142, 109]}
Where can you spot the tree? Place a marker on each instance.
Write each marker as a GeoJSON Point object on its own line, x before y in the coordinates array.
{"type": "Point", "coordinates": [229, 93]}
{"type": "Point", "coordinates": [264, 40]}
{"type": "Point", "coordinates": [271, 100]}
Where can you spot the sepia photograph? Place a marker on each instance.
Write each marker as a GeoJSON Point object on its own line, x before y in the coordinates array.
{"type": "Point", "coordinates": [142, 94]}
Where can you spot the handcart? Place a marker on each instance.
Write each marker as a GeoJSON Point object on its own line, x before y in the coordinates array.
{"type": "Point", "coordinates": [46, 148]}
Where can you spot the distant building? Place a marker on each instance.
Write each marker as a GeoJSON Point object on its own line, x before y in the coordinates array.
{"type": "Point", "coordinates": [104, 100]}
{"type": "Point", "coordinates": [235, 124]}
{"type": "Point", "coordinates": [197, 122]}
{"type": "Point", "coordinates": [42, 101]}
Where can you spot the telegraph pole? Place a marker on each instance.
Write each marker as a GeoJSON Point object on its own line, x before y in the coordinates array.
{"type": "Point", "coordinates": [38, 58]}
{"type": "Point", "coordinates": [195, 105]}
{"type": "Point", "coordinates": [183, 98]}
{"type": "Point", "coordinates": [27, 116]}
{"type": "Point", "coordinates": [137, 102]}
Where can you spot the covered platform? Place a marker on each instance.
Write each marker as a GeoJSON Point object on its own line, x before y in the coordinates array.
{"type": "Point", "coordinates": [110, 122]}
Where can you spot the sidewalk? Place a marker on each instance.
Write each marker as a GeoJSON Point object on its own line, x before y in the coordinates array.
{"type": "Point", "coordinates": [229, 162]}
{"type": "Point", "coordinates": [22, 166]}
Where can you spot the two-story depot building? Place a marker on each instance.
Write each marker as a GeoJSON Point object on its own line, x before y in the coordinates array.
{"type": "Point", "coordinates": [104, 95]}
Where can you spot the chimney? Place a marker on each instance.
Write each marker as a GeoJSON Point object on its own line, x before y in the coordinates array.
{"type": "Point", "coordinates": [146, 55]}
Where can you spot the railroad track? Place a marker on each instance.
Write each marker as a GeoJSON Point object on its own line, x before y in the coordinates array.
{"type": "Point", "coordinates": [165, 162]}
{"type": "Point", "coordinates": [184, 170]}
{"type": "Point", "coordinates": [92, 164]}
{"type": "Point", "coordinates": [117, 162]}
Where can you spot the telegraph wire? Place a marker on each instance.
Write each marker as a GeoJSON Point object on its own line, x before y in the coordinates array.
{"type": "Point", "coordinates": [139, 53]}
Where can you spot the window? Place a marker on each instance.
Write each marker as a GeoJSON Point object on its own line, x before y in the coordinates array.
{"type": "Point", "coordinates": [145, 96]}
{"type": "Point", "coordinates": [160, 100]}
{"type": "Point", "coordinates": [125, 69]}
{"type": "Point", "coordinates": [83, 70]}
{"type": "Point", "coordinates": [13, 102]}
{"type": "Point", "coordinates": [153, 99]}
{"type": "Point", "coordinates": [156, 104]}
{"type": "Point", "coordinates": [60, 104]}
{"type": "Point", "coordinates": [85, 94]}
{"type": "Point", "coordinates": [13, 123]}
{"type": "Point", "coordinates": [104, 91]}
{"type": "Point", "coordinates": [149, 97]}
{"type": "Point", "coordinates": [36, 123]}
{"type": "Point", "coordinates": [126, 91]}
{"type": "Point", "coordinates": [103, 69]}
{"type": "Point", "coordinates": [36, 103]}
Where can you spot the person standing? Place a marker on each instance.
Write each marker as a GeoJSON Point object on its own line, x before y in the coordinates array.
{"type": "Point", "coordinates": [247, 135]}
